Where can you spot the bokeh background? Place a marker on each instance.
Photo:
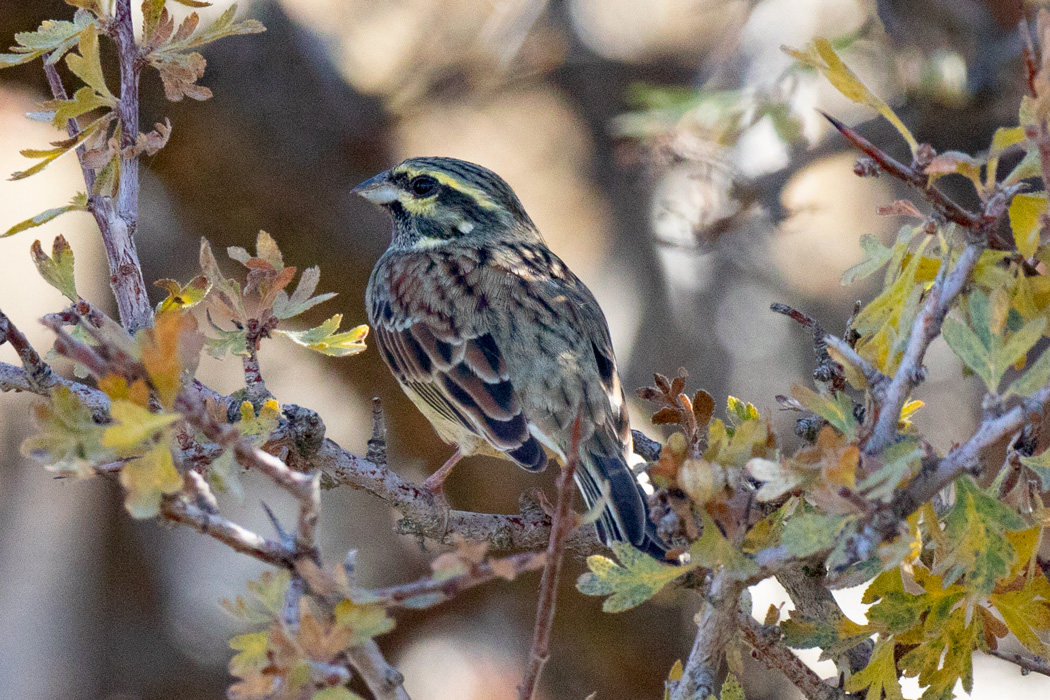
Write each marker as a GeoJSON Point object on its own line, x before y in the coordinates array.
{"type": "Point", "coordinates": [671, 155]}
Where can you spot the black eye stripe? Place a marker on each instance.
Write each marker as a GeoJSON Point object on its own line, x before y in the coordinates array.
{"type": "Point", "coordinates": [422, 185]}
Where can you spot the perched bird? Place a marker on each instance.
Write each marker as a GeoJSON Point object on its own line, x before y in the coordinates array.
{"type": "Point", "coordinates": [495, 340]}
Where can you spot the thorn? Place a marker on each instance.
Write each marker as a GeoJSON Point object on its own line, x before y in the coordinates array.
{"type": "Point", "coordinates": [281, 532]}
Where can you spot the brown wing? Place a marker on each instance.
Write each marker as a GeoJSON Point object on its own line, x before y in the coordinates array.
{"type": "Point", "coordinates": [465, 380]}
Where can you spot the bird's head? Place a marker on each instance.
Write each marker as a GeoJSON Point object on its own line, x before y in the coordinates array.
{"type": "Point", "coordinates": [436, 201]}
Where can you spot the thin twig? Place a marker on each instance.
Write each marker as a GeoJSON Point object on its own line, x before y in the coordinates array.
{"type": "Point", "coordinates": [254, 385]}
{"type": "Point", "coordinates": [827, 371]}
{"type": "Point", "coordinates": [478, 574]}
{"type": "Point", "coordinates": [1028, 664]}
{"type": "Point", "coordinates": [919, 180]}
{"type": "Point", "coordinates": [37, 371]}
{"type": "Point", "coordinates": [874, 377]}
{"type": "Point", "coordinates": [565, 522]}
{"type": "Point", "coordinates": [385, 681]}
{"type": "Point", "coordinates": [237, 538]}
{"type": "Point", "coordinates": [778, 657]}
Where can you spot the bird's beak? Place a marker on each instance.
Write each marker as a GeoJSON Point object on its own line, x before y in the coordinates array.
{"type": "Point", "coordinates": [378, 190]}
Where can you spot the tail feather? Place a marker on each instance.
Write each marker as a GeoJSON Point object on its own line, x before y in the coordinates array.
{"type": "Point", "coordinates": [625, 517]}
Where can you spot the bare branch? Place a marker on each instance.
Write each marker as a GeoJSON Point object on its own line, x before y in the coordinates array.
{"type": "Point", "coordinates": [253, 380]}
{"type": "Point", "coordinates": [17, 379]}
{"type": "Point", "coordinates": [565, 522]}
{"type": "Point", "coordinates": [715, 626]}
{"type": "Point", "coordinates": [178, 510]}
{"type": "Point", "coordinates": [911, 176]}
{"type": "Point", "coordinates": [385, 681]}
{"type": "Point", "coordinates": [874, 377]}
{"type": "Point", "coordinates": [481, 573]}
{"type": "Point", "coordinates": [778, 657]}
{"type": "Point", "coordinates": [1028, 664]}
{"type": "Point", "coordinates": [37, 371]}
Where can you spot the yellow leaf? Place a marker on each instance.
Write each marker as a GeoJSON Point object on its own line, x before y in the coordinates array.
{"type": "Point", "coordinates": [134, 425]}
{"type": "Point", "coordinates": [820, 55]}
{"type": "Point", "coordinates": [325, 340]}
{"type": "Point", "coordinates": [183, 296]}
{"type": "Point", "coordinates": [1025, 219]}
{"type": "Point", "coordinates": [146, 479]}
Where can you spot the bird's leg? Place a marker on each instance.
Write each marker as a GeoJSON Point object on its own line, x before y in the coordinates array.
{"type": "Point", "coordinates": [435, 483]}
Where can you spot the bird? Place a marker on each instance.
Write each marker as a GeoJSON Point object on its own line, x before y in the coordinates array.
{"type": "Point", "coordinates": [500, 346]}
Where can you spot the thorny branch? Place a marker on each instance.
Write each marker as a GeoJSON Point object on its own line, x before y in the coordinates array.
{"type": "Point", "coordinates": [778, 657]}
{"type": "Point", "coordinates": [890, 397]}
{"type": "Point", "coordinates": [565, 522]}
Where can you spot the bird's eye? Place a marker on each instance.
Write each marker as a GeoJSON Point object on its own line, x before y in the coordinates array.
{"type": "Point", "coordinates": [422, 185]}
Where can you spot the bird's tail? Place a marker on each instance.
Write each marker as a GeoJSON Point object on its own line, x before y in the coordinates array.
{"type": "Point", "coordinates": [625, 517]}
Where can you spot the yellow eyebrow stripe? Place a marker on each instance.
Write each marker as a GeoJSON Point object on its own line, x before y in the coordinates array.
{"type": "Point", "coordinates": [474, 193]}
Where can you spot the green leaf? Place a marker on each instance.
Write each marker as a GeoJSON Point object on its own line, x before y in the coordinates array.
{"type": "Point", "coordinates": [364, 620]}
{"type": "Point", "coordinates": [83, 101]}
{"type": "Point", "coordinates": [821, 55]}
{"type": "Point", "coordinates": [1040, 465]}
{"type": "Point", "coordinates": [224, 475]}
{"type": "Point", "coordinates": [53, 36]}
{"type": "Point", "coordinates": [68, 440]}
{"type": "Point", "coordinates": [56, 270]}
{"type": "Point", "coordinates": [1026, 211]}
{"type": "Point", "coordinates": [713, 551]}
{"type": "Point", "coordinates": [1027, 612]}
{"type": "Point", "coordinates": [223, 27]}
{"type": "Point", "coordinates": [889, 469]}
{"type": "Point", "coordinates": [837, 411]}
{"type": "Point", "coordinates": [232, 342]}
{"type": "Point", "coordinates": [808, 532]}
{"type": "Point", "coordinates": [876, 255]}
{"type": "Point", "coordinates": [251, 657]}
{"type": "Point", "coordinates": [968, 347]}
{"type": "Point", "coordinates": [636, 579]}
{"type": "Point", "coordinates": [87, 66]}
{"type": "Point", "coordinates": [1019, 344]}
{"type": "Point", "coordinates": [325, 340]}
{"type": "Point", "coordinates": [731, 689]}
{"type": "Point", "coordinates": [880, 677]}
{"type": "Point", "coordinates": [59, 148]}
{"type": "Point", "coordinates": [78, 203]}
{"type": "Point", "coordinates": [975, 535]}
{"type": "Point", "coordinates": [285, 306]}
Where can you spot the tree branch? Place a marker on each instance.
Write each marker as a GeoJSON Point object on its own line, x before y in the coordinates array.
{"type": "Point", "coordinates": [17, 379]}
{"type": "Point", "coordinates": [36, 370]}
{"type": "Point", "coordinates": [715, 628]}
{"type": "Point", "coordinates": [483, 572]}
{"type": "Point", "coordinates": [1028, 664]}
{"type": "Point", "coordinates": [425, 516]}
{"type": "Point", "coordinates": [177, 510]}
{"type": "Point", "coordinates": [778, 657]}
{"type": "Point", "coordinates": [385, 681]}
{"type": "Point", "coordinates": [117, 224]}
{"type": "Point", "coordinates": [565, 522]}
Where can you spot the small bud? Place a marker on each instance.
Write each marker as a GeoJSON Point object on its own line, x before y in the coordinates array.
{"type": "Point", "coordinates": [866, 167]}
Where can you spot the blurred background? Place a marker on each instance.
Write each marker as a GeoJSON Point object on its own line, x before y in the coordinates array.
{"type": "Point", "coordinates": [669, 152]}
